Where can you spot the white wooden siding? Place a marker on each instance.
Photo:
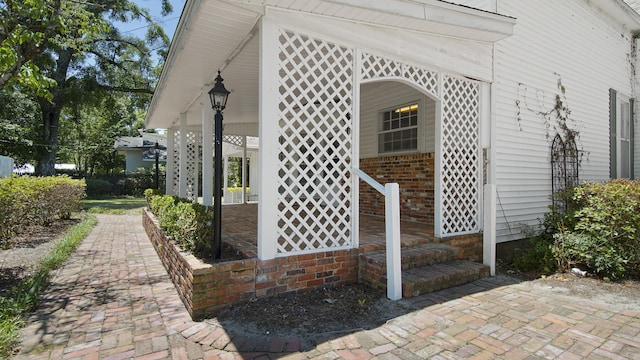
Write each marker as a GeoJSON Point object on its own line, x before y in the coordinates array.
{"type": "Point", "coordinates": [375, 98]}
{"type": "Point", "coordinates": [571, 41]}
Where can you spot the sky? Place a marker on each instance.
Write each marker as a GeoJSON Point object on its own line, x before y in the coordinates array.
{"type": "Point", "coordinates": [168, 22]}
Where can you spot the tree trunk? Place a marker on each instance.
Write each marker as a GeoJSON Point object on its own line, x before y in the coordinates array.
{"type": "Point", "coordinates": [51, 111]}
{"type": "Point", "coordinates": [50, 122]}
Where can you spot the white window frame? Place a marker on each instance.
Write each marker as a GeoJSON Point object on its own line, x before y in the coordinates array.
{"type": "Point", "coordinates": [418, 127]}
{"type": "Point", "coordinates": [623, 136]}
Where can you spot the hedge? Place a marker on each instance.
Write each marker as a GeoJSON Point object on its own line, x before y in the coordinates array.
{"type": "Point", "coordinates": [188, 224]}
{"type": "Point", "coordinates": [28, 200]}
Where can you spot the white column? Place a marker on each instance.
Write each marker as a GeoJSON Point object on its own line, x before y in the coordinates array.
{"type": "Point", "coordinates": [392, 229]}
{"type": "Point", "coordinates": [268, 132]}
{"type": "Point", "coordinates": [437, 177]}
{"type": "Point", "coordinates": [196, 170]}
{"type": "Point", "coordinates": [226, 195]}
{"type": "Point", "coordinates": [184, 177]}
{"type": "Point", "coordinates": [207, 150]}
{"type": "Point", "coordinates": [489, 235]}
{"type": "Point", "coordinates": [244, 170]}
{"type": "Point", "coordinates": [170, 172]}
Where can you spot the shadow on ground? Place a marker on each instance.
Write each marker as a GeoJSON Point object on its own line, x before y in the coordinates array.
{"type": "Point", "coordinates": [300, 322]}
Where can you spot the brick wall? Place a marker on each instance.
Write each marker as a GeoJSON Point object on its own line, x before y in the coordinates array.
{"type": "Point", "coordinates": [415, 175]}
{"type": "Point", "coordinates": [206, 288]}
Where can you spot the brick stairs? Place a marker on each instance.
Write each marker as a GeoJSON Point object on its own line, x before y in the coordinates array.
{"type": "Point", "coordinates": [425, 268]}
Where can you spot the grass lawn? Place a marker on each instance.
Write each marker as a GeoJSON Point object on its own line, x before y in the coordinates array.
{"type": "Point", "coordinates": [113, 205]}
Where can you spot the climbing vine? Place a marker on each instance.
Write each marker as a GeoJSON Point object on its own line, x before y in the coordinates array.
{"type": "Point", "coordinates": [556, 117]}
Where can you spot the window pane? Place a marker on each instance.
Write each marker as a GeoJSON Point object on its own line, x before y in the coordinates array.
{"type": "Point", "coordinates": [399, 129]}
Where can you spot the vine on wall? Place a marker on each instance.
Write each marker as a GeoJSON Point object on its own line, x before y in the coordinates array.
{"type": "Point", "coordinates": [556, 115]}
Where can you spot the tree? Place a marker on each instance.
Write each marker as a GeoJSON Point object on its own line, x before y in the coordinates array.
{"type": "Point", "coordinates": [111, 62]}
{"type": "Point", "coordinates": [89, 132]}
{"type": "Point", "coordinates": [28, 28]}
{"type": "Point", "coordinates": [19, 119]}
{"type": "Point", "coordinates": [84, 64]}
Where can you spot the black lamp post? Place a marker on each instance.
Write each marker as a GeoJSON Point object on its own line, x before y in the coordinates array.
{"type": "Point", "coordinates": [218, 95]}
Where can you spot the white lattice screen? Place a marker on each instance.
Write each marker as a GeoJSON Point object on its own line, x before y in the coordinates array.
{"type": "Point", "coordinates": [236, 140]}
{"type": "Point", "coordinates": [315, 152]}
{"type": "Point", "coordinates": [460, 160]}
{"type": "Point", "coordinates": [374, 67]}
{"type": "Point", "coordinates": [192, 157]}
{"type": "Point", "coordinates": [176, 161]}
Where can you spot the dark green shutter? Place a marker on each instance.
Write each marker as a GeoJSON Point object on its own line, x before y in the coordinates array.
{"type": "Point", "coordinates": [613, 139]}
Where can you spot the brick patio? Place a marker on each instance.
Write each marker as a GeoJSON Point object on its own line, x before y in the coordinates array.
{"type": "Point", "coordinates": [114, 300]}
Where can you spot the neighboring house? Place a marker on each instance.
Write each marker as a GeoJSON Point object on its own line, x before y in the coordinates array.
{"type": "Point", "coordinates": [140, 151]}
{"type": "Point", "coordinates": [445, 98]}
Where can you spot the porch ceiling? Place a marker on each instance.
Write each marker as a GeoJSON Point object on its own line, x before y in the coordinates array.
{"type": "Point", "coordinates": [222, 34]}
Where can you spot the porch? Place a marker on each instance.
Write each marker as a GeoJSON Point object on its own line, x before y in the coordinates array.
{"type": "Point", "coordinates": [428, 263]}
{"type": "Point", "coordinates": [240, 230]}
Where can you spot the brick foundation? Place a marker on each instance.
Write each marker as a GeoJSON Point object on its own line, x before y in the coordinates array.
{"type": "Point", "coordinates": [206, 288]}
{"type": "Point", "coordinates": [415, 175]}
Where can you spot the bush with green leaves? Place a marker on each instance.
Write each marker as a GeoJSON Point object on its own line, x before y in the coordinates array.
{"type": "Point", "coordinates": [189, 224]}
{"type": "Point", "coordinates": [37, 200]}
{"type": "Point", "coordinates": [603, 234]}
{"type": "Point", "coordinates": [149, 194]}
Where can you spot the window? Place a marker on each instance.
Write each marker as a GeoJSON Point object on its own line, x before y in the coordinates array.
{"type": "Point", "coordinates": [398, 129]}
{"type": "Point", "coordinates": [621, 136]}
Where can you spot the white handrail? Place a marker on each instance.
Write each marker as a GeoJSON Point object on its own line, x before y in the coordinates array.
{"type": "Point", "coordinates": [391, 192]}
{"type": "Point", "coordinates": [369, 180]}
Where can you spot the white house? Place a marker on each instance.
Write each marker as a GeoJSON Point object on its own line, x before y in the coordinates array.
{"type": "Point", "coordinates": [447, 99]}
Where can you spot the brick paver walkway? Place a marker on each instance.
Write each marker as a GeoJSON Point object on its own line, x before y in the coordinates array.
{"type": "Point", "coordinates": [114, 300]}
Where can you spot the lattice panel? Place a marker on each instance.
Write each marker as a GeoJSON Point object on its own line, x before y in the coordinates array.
{"type": "Point", "coordinates": [194, 141]}
{"type": "Point", "coordinates": [176, 162]}
{"type": "Point", "coordinates": [374, 66]}
{"type": "Point", "coordinates": [315, 151]}
{"type": "Point", "coordinates": [460, 161]}
{"type": "Point", "coordinates": [378, 67]}
{"type": "Point", "coordinates": [236, 140]}
{"type": "Point", "coordinates": [425, 78]}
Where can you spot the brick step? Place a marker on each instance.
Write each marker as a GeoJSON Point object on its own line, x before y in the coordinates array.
{"type": "Point", "coordinates": [373, 265]}
{"type": "Point", "coordinates": [440, 276]}
{"type": "Point", "coordinates": [415, 256]}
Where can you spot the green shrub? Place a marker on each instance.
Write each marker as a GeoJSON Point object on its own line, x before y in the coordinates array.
{"type": "Point", "coordinates": [37, 200]}
{"type": "Point", "coordinates": [189, 224]}
{"type": "Point", "coordinates": [149, 194]}
{"type": "Point", "coordinates": [98, 187]}
{"type": "Point", "coordinates": [603, 235]}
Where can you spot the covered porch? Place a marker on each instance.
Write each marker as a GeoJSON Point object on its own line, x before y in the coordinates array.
{"type": "Point", "coordinates": [323, 86]}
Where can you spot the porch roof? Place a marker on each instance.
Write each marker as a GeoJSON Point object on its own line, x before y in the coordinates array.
{"type": "Point", "coordinates": [222, 34]}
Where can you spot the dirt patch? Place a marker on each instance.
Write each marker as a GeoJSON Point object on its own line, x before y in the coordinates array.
{"type": "Point", "coordinates": [20, 256]}
{"type": "Point", "coordinates": [312, 315]}
{"type": "Point", "coordinates": [623, 293]}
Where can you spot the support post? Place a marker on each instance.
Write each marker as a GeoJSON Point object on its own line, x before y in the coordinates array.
{"type": "Point", "coordinates": [489, 236]}
{"type": "Point", "coordinates": [183, 177]}
{"type": "Point", "coordinates": [170, 171]}
{"type": "Point", "coordinates": [392, 223]}
{"type": "Point", "coordinates": [207, 152]}
{"type": "Point", "coordinates": [244, 169]}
